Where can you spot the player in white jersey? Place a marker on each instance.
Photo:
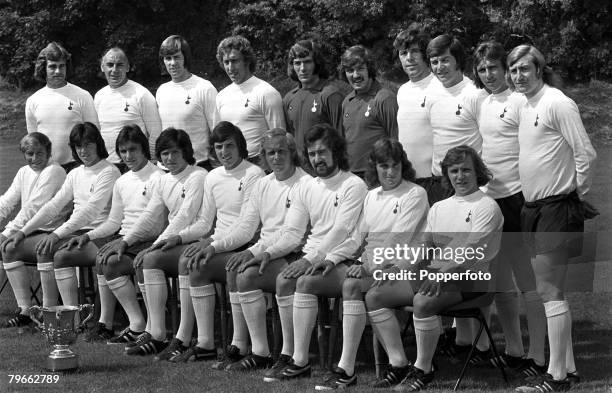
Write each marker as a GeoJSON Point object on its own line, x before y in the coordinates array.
{"type": "Point", "coordinates": [124, 102]}
{"type": "Point", "coordinates": [555, 165]}
{"type": "Point", "coordinates": [415, 132]}
{"type": "Point", "coordinates": [226, 191]}
{"type": "Point", "coordinates": [59, 106]}
{"type": "Point", "coordinates": [268, 204]}
{"type": "Point", "coordinates": [131, 193]}
{"type": "Point", "coordinates": [33, 185]}
{"type": "Point", "coordinates": [469, 220]}
{"type": "Point", "coordinates": [187, 102]}
{"type": "Point", "coordinates": [499, 123]}
{"type": "Point", "coordinates": [90, 187]}
{"type": "Point", "coordinates": [251, 104]}
{"type": "Point", "coordinates": [179, 195]}
{"type": "Point", "coordinates": [331, 203]}
{"type": "Point", "coordinates": [453, 109]}
{"type": "Point", "coordinates": [394, 212]}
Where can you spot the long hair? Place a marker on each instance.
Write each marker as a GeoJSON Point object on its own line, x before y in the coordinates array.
{"type": "Point", "coordinates": [332, 139]}
{"type": "Point", "coordinates": [441, 43]}
{"type": "Point", "coordinates": [356, 56]}
{"type": "Point", "coordinates": [242, 45]}
{"type": "Point", "coordinates": [304, 48]}
{"type": "Point", "coordinates": [388, 149]}
{"type": "Point", "coordinates": [543, 70]}
{"type": "Point", "coordinates": [133, 133]}
{"type": "Point", "coordinates": [226, 130]}
{"type": "Point", "coordinates": [171, 45]}
{"type": "Point", "coordinates": [457, 155]}
{"type": "Point", "coordinates": [54, 51]}
{"type": "Point", "coordinates": [489, 50]}
{"type": "Point", "coordinates": [83, 133]}
{"type": "Point", "coordinates": [171, 137]}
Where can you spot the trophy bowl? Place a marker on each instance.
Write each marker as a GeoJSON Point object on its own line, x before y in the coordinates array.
{"type": "Point", "coordinates": [59, 325]}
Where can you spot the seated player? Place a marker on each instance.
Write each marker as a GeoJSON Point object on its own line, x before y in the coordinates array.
{"type": "Point", "coordinates": [179, 189]}
{"type": "Point", "coordinates": [395, 210]}
{"type": "Point", "coordinates": [331, 203]}
{"type": "Point", "coordinates": [226, 190]}
{"type": "Point", "coordinates": [89, 186]}
{"type": "Point", "coordinates": [270, 200]}
{"type": "Point", "coordinates": [131, 193]}
{"type": "Point", "coordinates": [467, 220]}
{"type": "Point", "coordinates": [33, 185]}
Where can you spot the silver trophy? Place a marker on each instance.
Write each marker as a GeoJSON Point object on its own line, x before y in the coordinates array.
{"type": "Point", "coordinates": [60, 326]}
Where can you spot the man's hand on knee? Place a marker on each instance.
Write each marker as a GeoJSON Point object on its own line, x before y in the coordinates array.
{"type": "Point", "coordinates": [296, 269]}
{"type": "Point", "coordinates": [323, 266]}
{"type": "Point", "coordinates": [355, 271]}
{"type": "Point", "coordinates": [238, 259]}
{"type": "Point", "coordinates": [430, 288]}
{"type": "Point", "coordinates": [47, 244]}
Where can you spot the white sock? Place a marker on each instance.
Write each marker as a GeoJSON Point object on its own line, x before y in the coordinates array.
{"type": "Point", "coordinates": [254, 310]}
{"type": "Point", "coordinates": [203, 300]}
{"type": "Point", "coordinates": [507, 304]}
{"type": "Point", "coordinates": [285, 314]}
{"type": "Point", "coordinates": [559, 324]}
{"type": "Point", "coordinates": [353, 323]}
{"type": "Point", "coordinates": [463, 328]}
{"type": "Point", "coordinates": [426, 331]}
{"type": "Point", "coordinates": [570, 364]}
{"type": "Point", "coordinates": [48, 284]}
{"type": "Point", "coordinates": [107, 302]}
{"type": "Point", "coordinates": [185, 329]}
{"type": "Point", "coordinates": [157, 294]}
{"type": "Point", "coordinates": [143, 291]}
{"type": "Point", "coordinates": [536, 326]}
{"type": "Point", "coordinates": [68, 285]}
{"type": "Point", "coordinates": [387, 328]}
{"type": "Point", "coordinates": [18, 277]}
{"type": "Point", "coordinates": [123, 288]}
{"type": "Point", "coordinates": [305, 309]}
{"type": "Point", "coordinates": [241, 331]}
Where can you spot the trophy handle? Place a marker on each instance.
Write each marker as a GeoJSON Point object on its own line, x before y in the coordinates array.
{"type": "Point", "coordinates": [91, 312]}
{"type": "Point", "coordinates": [35, 311]}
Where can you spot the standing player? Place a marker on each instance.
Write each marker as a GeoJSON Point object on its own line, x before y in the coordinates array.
{"type": "Point", "coordinates": [467, 220]}
{"type": "Point", "coordinates": [370, 110]}
{"type": "Point", "coordinates": [59, 106]}
{"type": "Point", "coordinates": [179, 195]}
{"type": "Point", "coordinates": [414, 128]}
{"type": "Point", "coordinates": [555, 166]}
{"type": "Point", "coordinates": [187, 102]}
{"type": "Point", "coordinates": [453, 109]}
{"type": "Point", "coordinates": [249, 103]}
{"type": "Point", "coordinates": [315, 100]}
{"type": "Point", "coordinates": [393, 212]}
{"type": "Point", "coordinates": [499, 123]}
{"type": "Point", "coordinates": [131, 193]}
{"type": "Point", "coordinates": [331, 203]}
{"type": "Point", "coordinates": [33, 185]}
{"type": "Point", "coordinates": [90, 187]}
{"type": "Point", "coordinates": [123, 102]}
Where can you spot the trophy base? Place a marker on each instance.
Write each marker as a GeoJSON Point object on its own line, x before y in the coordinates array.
{"type": "Point", "coordinates": [62, 360]}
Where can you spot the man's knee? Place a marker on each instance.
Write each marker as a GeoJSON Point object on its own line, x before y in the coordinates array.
{"type": "Point", "coordinates": [183, 267]}
{"type": "Point", "coordinates": [351, 288]}
{"type": "Point", "coordinates": [309, 284]}
{"type": "Point", "coordinates": [285, 286]}
{"type": "Point", "coordinates": [114, 268]}
{"type": "Point", "coordinates": [373, 299]}
{"type": "Point", "coordinates": [424, 306]}
{"type": "Point", "coordinates": [62, 259]}
{"type": "Point", "coordinates": [153, 260]}
{"type": "Point", "coordinates": [245, 280]}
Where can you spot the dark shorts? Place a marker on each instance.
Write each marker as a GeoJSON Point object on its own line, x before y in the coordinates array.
{"type": "Point", "coordinates": [511, 210]}
{"type": "Point", "coordinates": [131, 251]}
{"type": "Point", "coordinates": [468, 290]}
{"type": "Point", "coordinates": [434, 188]}
{"type": "Point", "coordinates": [70, 166]}
{"type": "Point", "coordinates": [554, 223]}
{"type": "Point", "coordinates": [104, 240]}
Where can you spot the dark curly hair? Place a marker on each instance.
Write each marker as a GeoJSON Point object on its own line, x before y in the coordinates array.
{"type": "Point", "coordinates": [332, 139]}
{"type": "Point", "coordinates": [54, 52]}
{"type": "Point", "coordinates": [457, 155]}
{"type": "Point", "coordinates": [242, 45]}
{"type": "Point", "coordinates": [354, 56]}
{"type": "Point", "coordinates": [304, 48]}
{"type": "Point", "coordinates": [388, 149]}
